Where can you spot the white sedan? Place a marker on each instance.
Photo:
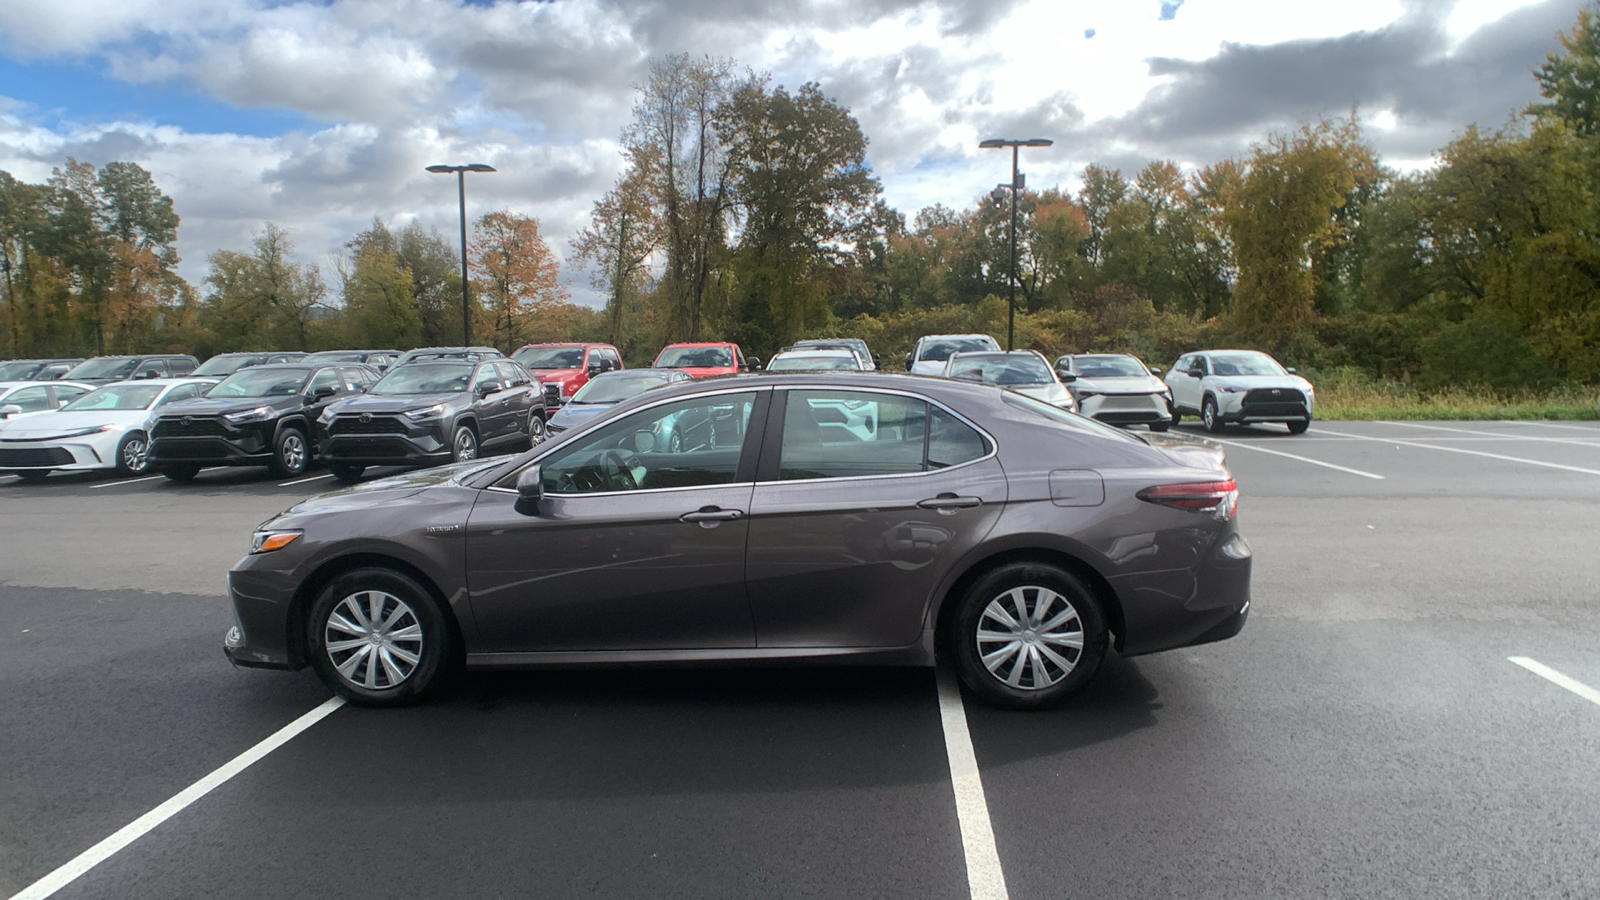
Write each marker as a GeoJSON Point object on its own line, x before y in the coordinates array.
{"type": "Point", "coordinates": [22, 397]}
{"type": "Point", "coordinates": [103, 429]}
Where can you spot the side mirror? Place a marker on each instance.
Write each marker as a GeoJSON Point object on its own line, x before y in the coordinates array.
{"type": "Point", "coordinates": [752, 363]}
{"type": "Point", "coordinates": [644, 441]}
{"type": "Point", "coordinates": [323, 393]}
{"type": "Point", "coordinates": [1291, 370]}
{"type": "Point", "coordinates": [11, 409]}
{"type": "Point", "coordinates": [595, 369]}
{"type": "Point", "coordinates": [1156, 371]}
{"type": "Point", "coordinates": [908, 361]}
{"type": "Point", "coordinates": [1066, 377]}
{"type": "Point", "coordinates": [62, 403]}
{"type": "Point", "coordinates": [147, 373]}
{"type": "Point", "coordinates": [530, 490]}
{"type": "Point", "coordinates": [484, 390]}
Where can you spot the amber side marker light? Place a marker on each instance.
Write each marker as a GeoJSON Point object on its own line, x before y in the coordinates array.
{"type": "Point", "coordinates": [267, 541]}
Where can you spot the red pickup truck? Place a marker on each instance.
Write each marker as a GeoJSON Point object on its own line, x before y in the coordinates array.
{"type": "Point", "coordinates": [705, 359]}
{"type": "Point", "coordinates": [563, 368]}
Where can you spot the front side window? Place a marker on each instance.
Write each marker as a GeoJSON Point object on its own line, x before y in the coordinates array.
{"type": "Point", "coordinates": [693, 442]}
{"type": "Point", "coordinates": [257, 382]}
{"type": "Point", "coordinates": [327, 378]}
{"type": "Point", "coordinates": [487, 376]}
{"type": "Point", "coordinates": [31, 399]}
{"type": "Point", "coordinates": [67, 392]}
{"type": "Point", "coordinates": [181, 392]}
{"type": "Point", "coordinates": [855, 434]}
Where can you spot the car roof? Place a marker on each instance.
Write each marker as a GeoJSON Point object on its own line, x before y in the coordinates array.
{"type": "Point", "coordinates": [826, 352]}
{"type": "Point", "coordinates": [8, 384]}
{"type": "Point", "coordinates": [565, 344]}
{"type": "Point", "coordinates": [947, 337]}
{"type": "Point", "coordinates": [159, 382]}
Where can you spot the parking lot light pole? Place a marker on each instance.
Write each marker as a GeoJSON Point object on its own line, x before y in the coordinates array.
{"type": "Point", "coordinates": [461, 195]}
{"type": "Point", "coordinates": [1016, 188]}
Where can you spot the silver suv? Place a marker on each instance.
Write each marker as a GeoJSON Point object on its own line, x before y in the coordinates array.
{"type": "Point", "coordinates": [1239, 387]}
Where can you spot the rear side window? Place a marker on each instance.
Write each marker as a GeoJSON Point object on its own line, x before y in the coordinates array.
{"type": "Point", "coordinates": [30, 399]}
{"type": "Point", "coordinates": [180, 366]}
{"type": "Point", "coordinates": [855, 434]}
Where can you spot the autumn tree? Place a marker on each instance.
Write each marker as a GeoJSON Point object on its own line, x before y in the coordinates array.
{"type": "Point", "coordinates": [625, 231]}
{"type": "Point", "coordinates": [1569, 78]}
{"type": "Point", "coordinates": [516, 277]}
{"type": "Point", "coordinates": [261, 300]}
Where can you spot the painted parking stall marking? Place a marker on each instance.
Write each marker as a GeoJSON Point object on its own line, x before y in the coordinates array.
{"type": "Point", "coordinates": [985, 880]}
{"type": "Point", "coordinates": [96, 487]}
{"type": "Point", "coordinates": [1305, 459]}
{"type": "Point", "coordinates": [305, 480]}
{"type": "Point", "coordinates": [1554, 677]}
{"type": "Point", "coordinates": [1399, 442]}
{"type": "Point", "coordinates": [148, 822]}
{"type": "Point", "coordinates": [1499, 436]}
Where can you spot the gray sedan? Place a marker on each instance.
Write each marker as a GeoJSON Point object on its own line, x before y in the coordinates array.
{"type": "Point", "coordinates": [865, 518]}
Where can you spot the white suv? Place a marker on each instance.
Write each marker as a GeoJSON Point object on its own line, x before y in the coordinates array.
{"type": "Point", "coordinates": [933, 350]}
{"type": "Point", "coordinates": [1239, 387]}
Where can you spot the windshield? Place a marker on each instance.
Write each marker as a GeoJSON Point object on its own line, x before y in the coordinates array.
{"type": "Point", "coordinates": [619, 388]}
{"type": "Point", "coordinates": [329, 357]}
{"type": "Point", "coordinates": [105, 367]}
{"type": "Point", "coordinates": [425, 378]}
{"type": "Point", "coordinates": [939, 351]}
{"type": "Point", "coordinates": [549, 357]}
{"type": "Point", "coordinates": [1246, 364]}
{"type": "Point", "coordinates": [118, 396]}
{"type": "Point", "coordinates": [786, 363]}
{"type": "Point", "coordinates": [17, 371]}
{"type": "Point", "coordinates": [1020, 369]}
{"type": "Point", "coordinates": [1062, 417]}
{"type": "Point", "coordinates": [224, 365]}
{"type": "Point", "coordinates": [261, 383]}
{"type": "Point", "coordinates": [695, 357]}
{"type": "Point", "coordinates": [1108, 367]}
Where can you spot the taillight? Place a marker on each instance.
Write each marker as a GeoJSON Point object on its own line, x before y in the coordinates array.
{"type": "Point", "coordinates": [1220, 498]}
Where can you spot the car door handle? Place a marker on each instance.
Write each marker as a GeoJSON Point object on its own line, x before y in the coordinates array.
{"type": "Point", "coordinates": [951, 502]}
{"type": "Point", "coordinates": [711, 514]}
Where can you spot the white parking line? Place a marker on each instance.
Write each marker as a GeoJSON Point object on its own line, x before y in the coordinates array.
{"type": "Point", "coordinates": [1305, 459]}
{"type": "Point", "coordinates": [985, 880]}
{"type": "Point", "coordinates": [146, 823]}
{"type": "Point", "coordinates": [305, 480]}
{"type": "Point", "coordinates": [1498, 435]}
{"type": "Point", "coordinates": [1589, 428]}
{"type": "Point", "coordinates": [96, 487]}
{"type": "Point", "coordinates": [1554, 677]}
{"type": "Point", "coordinates": [1397, 442]}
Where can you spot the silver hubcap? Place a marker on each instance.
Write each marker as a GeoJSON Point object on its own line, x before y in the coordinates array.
{"type": "Point", "coordinates": [1030, 637]}
{"type": "Point", "coordinates": [535, 427]}
{"type": "Point", "coordinates": [374, 640]}
{"type": "Point", "coordinates": [294, 453]}
{"type": "Point", "coordinates": [1211, 415]}
{"type": "Point", "coordinates": [466, 447]}
{"type": "Point", "coordinates": [135, 455]}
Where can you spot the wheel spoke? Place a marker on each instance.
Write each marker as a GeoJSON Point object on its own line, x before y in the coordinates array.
{"type": "Point", "coordinates": [1063, 617]}
{"type": "Point", "coordinates": [1043, 600]}
{"type": "Point", "coordinates": [1019, 605]}
{"type": "Point", "coordinates": [989, 637]}
{"type": "Point", "coordinates": [348, 667]}
{"type": "Point", "coordinates": [1038, 677]}
{"type": "Point", "coordinates": [999, 614]}
{"type": "Point", "coordinates": [998, 658]}
{"type": "Point", "coordinates": [410, 634]}
{"type": "Point", "coordinates": [1065, 664]}
{"type": "Point", "coordinates": [340, 623]}
{"type": "Point", "coordinates": [353, 604]}
{"type": "Point", "coordinates": [375, 610]}
{"type": "Point", "coordinates": [1073, 639]}
{"type": "Point", "coordinates": [389, 668]}
{"type": "Point", "coordinates": [405, 656]}
{"type": "Point", "coordinates": [1015, 679]}
{"type": "Point", "coordinates": [399, 613]}
{"type": "Point", "coordinates": [342, 646]}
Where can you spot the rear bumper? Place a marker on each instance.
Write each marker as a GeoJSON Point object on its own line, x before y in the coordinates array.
{"type": "Point", "coordinates": [1167, 610]}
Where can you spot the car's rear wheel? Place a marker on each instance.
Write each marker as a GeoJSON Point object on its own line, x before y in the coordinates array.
{"type": "Point", "coordinates": [464, 445]}
{"type": "Point", "coordinates": [378, 638]}
{"type": "Point", "coordinates": [1209, 416]}
{"type": "Point", "coordinates": [290, 455]}
{"type": "Point", "coordinates": [133, 454]}
{"type": "Point", "coordinates": [180, 472]}
{"type": "Point", "coordinates": [1027, 635]}
{"type": "Point", "coordinates": [349, 473]}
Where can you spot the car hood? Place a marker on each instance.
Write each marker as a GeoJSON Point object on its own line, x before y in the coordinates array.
{"type": "Point", "coordinates": [555, 374]}
{"type": "Point", "coordinates": [386, 490]}
{"type": "Point", "coordinates": [367, 403]}
{"type": "Point", "coordinates": [1251, 382]}
{"type": "Point", "coordinates": [706, 371]}
{"type": "Point", "coordinates": [574, 414]}
{"type": "Point", "coordinates": [1053, 394]}
{"type": "Point", "coordinates": [1128, 384]}
{"type": "Point", "coordinates": [217, 406]}
{"type": "Point", "coordinates": [55, 423]}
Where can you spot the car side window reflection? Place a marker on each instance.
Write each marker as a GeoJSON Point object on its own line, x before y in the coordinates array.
{"type": "Point", "coordinates": [846, 434]}
{"type": "Point", "coordinates": [951, 441]}
{"type": "Point", "coordinates": [693, 442]}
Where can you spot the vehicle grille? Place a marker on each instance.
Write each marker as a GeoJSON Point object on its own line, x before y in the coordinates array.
{"type": "Point", "coordinates": [181, 449]}
{"type": "Point", "coordinates": [31, 458]}
{"type": "Point", "coordinates": [189, 426]}
{"type": "Point", "coordinates": [374, 425]}
{"type": "Point", "coordinates": [1274, 402]}
{"type": "Point", "coordinates": [366, 448]}
{"type": "Point", "coordinates": [552, 395]}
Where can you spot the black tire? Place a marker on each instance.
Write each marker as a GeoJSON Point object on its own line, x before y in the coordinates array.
{"type": "Point", "coordinates": [33, 476]}
{"type": "Point", "coordinates": [180, 472]}
{"type": "Point", "coordinates": [1159, 426]}
{"type": "Point", "coordinates": [1029, 665]}
{"type": "Point", "coordinates": [291, 453]}
{"type": "Point", "coordinates": [349, 473]}
{"type": "Point", "coordinates": [133, 454]}
{"type": "Point", "coordinates": [536, 429]}
{"type": "Point", "coordinates": [420, 632]}
{"type": "Point", "coordinates": [1210, 416]}
{"type": "Point", "coordinates": [463, 444]}
{"type": "Point", "coordinates": [1299, 427]}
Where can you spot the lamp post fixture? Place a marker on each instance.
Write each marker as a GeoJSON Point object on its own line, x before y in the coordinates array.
{"type": "Point", "coordinates": [1016, 188]}
{"type": "Point", "coordinates": [461, 194]}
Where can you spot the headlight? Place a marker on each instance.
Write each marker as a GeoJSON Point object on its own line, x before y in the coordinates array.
{"type": "Point", "coordinates": [268, 541]}
{"type": "Point", "coordinates": [1082, 394]}
{"type": "Point", "coordinates": [1229, 389]}
{"type": "Point", "coordinates": [432, 412]}
{"type": "Point", "coordinates": [566, 387]}
{"type": "Point", "coordinates": [249, 415]}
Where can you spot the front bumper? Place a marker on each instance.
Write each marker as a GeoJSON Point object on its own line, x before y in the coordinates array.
{"type": "Point", "coordinates": [212, 441]}
{"type": "Point", "coordinates": [1126, 409]}
{"type": "Point", "coordinates": [1244, 407]}
{"type": "Point", "coordinates": [384, 441]}
{"type": "Point", "coordinates": [262, 602]}
{"type": "Point", "coordinates": [73, 454]}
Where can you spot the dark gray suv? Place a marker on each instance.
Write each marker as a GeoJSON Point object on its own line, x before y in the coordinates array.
{"type": "Point", "coordinates": [868, 518]}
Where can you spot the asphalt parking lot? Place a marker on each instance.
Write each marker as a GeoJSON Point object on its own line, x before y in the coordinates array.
{"type": "Point", "coordinates": [1368, 735]}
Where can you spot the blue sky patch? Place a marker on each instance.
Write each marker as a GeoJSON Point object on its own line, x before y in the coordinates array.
{"type": "Point", "coordinates": [1088, 32]}
{"type": "Point", "coordinates": [66, 92]}
{"type": "Point", "coordinates": [1169, 9]}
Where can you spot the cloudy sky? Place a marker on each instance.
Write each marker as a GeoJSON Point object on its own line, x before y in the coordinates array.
{"type": "Point", "coordinates": [321, 115]}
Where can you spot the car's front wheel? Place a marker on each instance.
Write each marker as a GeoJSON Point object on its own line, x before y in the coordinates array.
{"type": "Point", "coordinates": [291, 455]}
{"type": "Point", "coordinates": [536, 429]}
{"type": "Point", "coordinates": [1027, 635]}
{"type": "Point", "coordinates": [180, 472]}
{"type": "Point", "coordinates": [133, 454]}
{"type": "Point", "coordinates": [349, 473]}
{"type": "Point", "coordinates": [464, 445]}
{"type": "Point", "coordinates": [378, 638]}
{"type": "Point", "coordinates": [1209, 416]}
{"type": "Point", "coordinates": [1299, 427]}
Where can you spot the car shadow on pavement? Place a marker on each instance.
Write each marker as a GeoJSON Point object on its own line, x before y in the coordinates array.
{"type": "Point", "coordinates": [1119, 701]}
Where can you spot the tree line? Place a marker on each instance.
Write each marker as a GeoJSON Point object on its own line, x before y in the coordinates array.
{"type": "Point", "coordinates": [745, 211]}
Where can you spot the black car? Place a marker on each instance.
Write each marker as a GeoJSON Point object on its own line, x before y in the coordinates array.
{"type": "Point", "coordinates": [471, 353]}
{"type": "Point", "coordinates": [260, 416]}
{"type": "Point", "coordinates": [36, 369]}
{"type": "Point", "coordinates": [224, 364]}
{"type": "Point", "coordinates": [377, 360]}
{"type": "Point", "coordinates": [431, 411]}
{"type": "Point", "coordinates": [106, 369]}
